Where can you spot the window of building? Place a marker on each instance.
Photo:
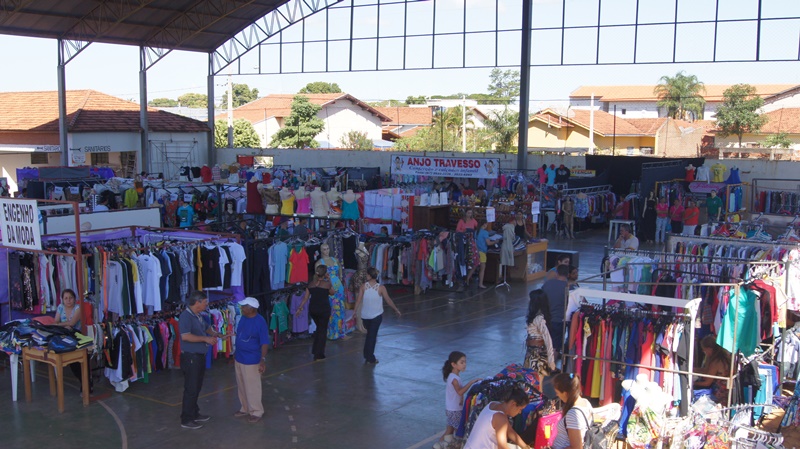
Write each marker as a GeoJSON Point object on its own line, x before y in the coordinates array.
{"type": "Point", "coordinates": [99, 158]}
{"type": "Point", "coordinates": [624, 111]}
{"type": "Point", "coordinates": [39, 158]}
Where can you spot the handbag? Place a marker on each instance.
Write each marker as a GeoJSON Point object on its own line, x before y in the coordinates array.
{"type": "Point", "coordinates": [595, 437]}
{"type": "Point", "coordinates": [546, 430]}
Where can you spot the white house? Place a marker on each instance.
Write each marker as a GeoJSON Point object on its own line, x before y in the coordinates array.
{"type": "Point", "coordinates": [341, 113]}
{"type": "Point", "coordinates": [642, 102]}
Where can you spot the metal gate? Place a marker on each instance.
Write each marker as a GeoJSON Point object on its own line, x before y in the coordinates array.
{"type": "Point", "coordinates": [168, 156]}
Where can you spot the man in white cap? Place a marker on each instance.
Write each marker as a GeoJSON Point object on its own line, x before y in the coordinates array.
{"type": "Point", "coordinates": [252, 343]}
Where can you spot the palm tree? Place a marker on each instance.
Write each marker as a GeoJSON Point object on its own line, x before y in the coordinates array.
{"type": "Point", "coordinates": [681, 96]}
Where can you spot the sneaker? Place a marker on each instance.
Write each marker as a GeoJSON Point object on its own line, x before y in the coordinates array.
{"type": "Point", "coordinates": [438, 445]}
{"type": "Point", "coordinates": [202, 418]}
{"type": "Point", "coordinates": [191, 425]}
{"type": "Point", "coordinates": [254, 419]}
{"type": "Point", "coordinates": [240, 414]}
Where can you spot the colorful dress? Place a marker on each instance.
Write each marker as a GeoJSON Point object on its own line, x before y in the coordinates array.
{"type": "Point", "coordinates": [336, 326]}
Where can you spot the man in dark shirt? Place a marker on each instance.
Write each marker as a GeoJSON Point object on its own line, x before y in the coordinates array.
{"type": "Point", "coordinates": [556, 289]}
{"type": "Point", "coordinates": [196, 338]}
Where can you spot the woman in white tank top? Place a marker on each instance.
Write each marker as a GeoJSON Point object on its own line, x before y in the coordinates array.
{"type": "Point", "coordinates": [492, 429]}
{"type": "Point", "coordinates": [369, 306]}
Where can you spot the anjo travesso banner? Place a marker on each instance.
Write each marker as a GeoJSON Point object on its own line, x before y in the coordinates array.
{"type": "Point", "coordinates": [448, 167]}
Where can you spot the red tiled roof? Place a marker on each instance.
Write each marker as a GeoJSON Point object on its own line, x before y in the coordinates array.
{"type": "Point", "coordinates": [87, 111]}
{"type": "Point", "coordinates": [552, 119]}
{"type": "Point", "coordinates": [785, 120]}
{"type": "Point", "coordinates": [648, 126]}
{"type": "Point", "coordinates": [603, 122]}
{"type": "Point", "coordinates": [713, 92]}
{"type": "Point", "coordinates": [408, 116]}
{"type": "Point", "coordinates": [280, 105]}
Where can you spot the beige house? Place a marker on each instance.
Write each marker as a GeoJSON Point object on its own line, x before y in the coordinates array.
{"type": "Point", "coordinates": [554, 132]}
{"type": "Point", "coordinates": [785, 120]}
{"type": "Point", "coordinates": [641, 101]}
{"type": "Point", "coordinates": [341, 113]}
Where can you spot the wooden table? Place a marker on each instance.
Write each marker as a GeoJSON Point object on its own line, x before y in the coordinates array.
{"type": "Point", "coordinates": [58, 361]}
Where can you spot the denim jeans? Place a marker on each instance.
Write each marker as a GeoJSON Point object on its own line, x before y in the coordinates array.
{"type": "Point", "coordinates": [194, 368]}
{"type": "Point", "coordinates": [661, 229]}
{"type": "Point", "coordinates": [372, 326]}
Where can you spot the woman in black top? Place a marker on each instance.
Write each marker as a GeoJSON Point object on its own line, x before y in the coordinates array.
{"type": "Point", "coordinates": [319, 308]}
{"type": "Point", "coordinates": [519, 226]}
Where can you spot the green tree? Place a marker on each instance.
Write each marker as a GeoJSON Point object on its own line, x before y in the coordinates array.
{"type": "Point", "coordinates": [300, 127]}
{"type": "Point", "coordinates": [242, 94]}
{"type": "Point", "coordinates": [504, 126]}
{"type": "Point", "coordinates": [357, 140]}
{"type": "Point", "coordinates": [320, 87]}
{"type": "Point", "coordinates": [386, 104]}
{"type": "Point", "coordinates": [738, 113]}
{"type": "Point", "coordinates": [420, 99]}
{"type": "Point", "coordinates": [780, 140]}
{"type": "Point", "coordinates": [244, 135]}
{"type": "Point", "coordinates": [193, 100]}
{"type": "Point", "coordinates": [681, 95]}
{"type": "Point", "coordinates": [504, 85]}
{"type": "Point", "coordinates": [163, 103]}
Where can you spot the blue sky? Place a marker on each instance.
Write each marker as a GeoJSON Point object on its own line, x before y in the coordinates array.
{"type": "Point", "coordinates": [31, 63]}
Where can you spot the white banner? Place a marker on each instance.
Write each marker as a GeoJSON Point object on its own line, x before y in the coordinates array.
{"type": "Point", "coordinates": [19, 220]}
{"type": "Point", "coordinates": [448, 167]}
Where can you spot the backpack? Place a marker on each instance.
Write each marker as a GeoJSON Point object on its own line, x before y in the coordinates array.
{"type": "Point", "coordinates": [595, 437]}
{"type": "Point", "coordinates": [62, 343]}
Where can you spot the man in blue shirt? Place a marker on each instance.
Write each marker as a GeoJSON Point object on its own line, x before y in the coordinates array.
{"type": "Point", "coordinates": [252, 343]}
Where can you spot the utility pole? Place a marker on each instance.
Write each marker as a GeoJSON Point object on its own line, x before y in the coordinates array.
{"type": "Point", "coordinates": [591, 125]}
{"type": "Point", "coordinates": [614, 139]}
{"type": "Point", "coordinates": [463, 123]}
{"type": "Point", "coordinates": [441, 120]}
{"type": "Point", "coordinates": [230, 111]}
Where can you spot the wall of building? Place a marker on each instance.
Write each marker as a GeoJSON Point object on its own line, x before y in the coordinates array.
{"type": "Point", "coordinates": [634, 109]}
{"type": "Point", "coordinates": [10, 162]}
{"type": "Point", "coordinates": [343, 117]}
{"type": "Point", "coordinates": [787, 101]}
{"type": "Point", "coordinates": [671, 141]}
{"type": "Point", "coordinates": [266, 129]}
{"type": "Point", "coordinates": [750, 140]}
{"type": "Point", "coordinates": [168, 151]}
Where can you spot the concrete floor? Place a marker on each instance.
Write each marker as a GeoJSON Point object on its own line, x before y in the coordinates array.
{"type": "Point", "coordinates": [336, 403]}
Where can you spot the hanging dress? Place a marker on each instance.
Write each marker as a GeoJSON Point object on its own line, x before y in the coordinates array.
{"type": "Point", "coordinates": [336, 326]}
{"type": "Point", "coordinates": [649, 221]}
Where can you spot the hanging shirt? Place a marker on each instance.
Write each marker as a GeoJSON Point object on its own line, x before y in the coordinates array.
{"type": "Point", "coordinates": [718, 172]}
{"type": "Point", "coordinates": [185, 216]}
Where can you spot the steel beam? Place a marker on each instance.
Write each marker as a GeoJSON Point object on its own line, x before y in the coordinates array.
{"type": "Point", "coordinates": [264, 28]}
{"type": "Point", "coordinates": [190, 23]}
{"type": "Point", "coordinates": [143, 122]}
{"type": "Point", "coordinates": [99, 22]}
{"type": "Point", "coordinates": [212, 152]}
{"type": "Point", "coordinates": [524, 84]}
{"type": "Point", "coordinates": [10, 7]}
{"type": "Point", "coordinates": [62, 106]}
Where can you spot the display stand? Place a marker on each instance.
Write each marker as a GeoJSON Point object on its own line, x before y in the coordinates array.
{"type": "Point", "coordinates": [505, 283]}
{"type": "Point", "coordinates": [58, 362]}
{"type": "Point", "coordinates": [427, 217]}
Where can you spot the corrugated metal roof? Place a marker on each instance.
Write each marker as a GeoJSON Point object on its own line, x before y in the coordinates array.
{"type": "Point", "coordinates": [190, 25]}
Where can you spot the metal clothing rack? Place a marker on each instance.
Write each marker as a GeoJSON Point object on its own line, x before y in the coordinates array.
{"type": "Point", "coordinates": [689, 306]}
{"type": "Point", "coordinates": [587, 190]}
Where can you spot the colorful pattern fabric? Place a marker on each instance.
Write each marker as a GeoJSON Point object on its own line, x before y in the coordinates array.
{"type": "Point", "coordinates": [336, 326]}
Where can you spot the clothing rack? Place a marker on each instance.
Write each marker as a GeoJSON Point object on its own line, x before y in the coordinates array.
{"type": "Point", "coordinates": [587, 190]}
{"type": "Point", "coordinates": [689, 306]}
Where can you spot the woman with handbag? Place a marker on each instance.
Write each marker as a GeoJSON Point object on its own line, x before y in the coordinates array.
{"type": "Point", "coordinates": [576, 412]}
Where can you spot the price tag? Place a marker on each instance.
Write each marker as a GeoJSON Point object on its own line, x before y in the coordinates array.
{"type": "Point", "coordinates": [58, 190]}
{"type": "Point", "coordinates": [490, 214]}
{"type": "Point", "coordinates": [187, 198]}
{"type": "Point", "coordinates": [535, 208]}
{"type": "Point", "coordinates": [74, 190]}
{"type": "Point", "coordinates": [173, 197]}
